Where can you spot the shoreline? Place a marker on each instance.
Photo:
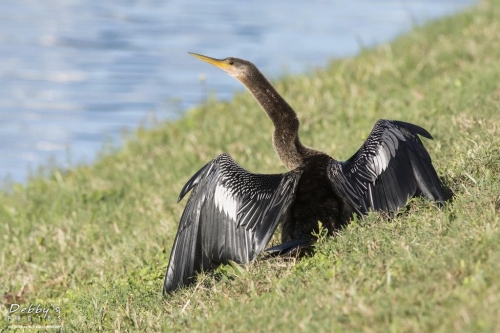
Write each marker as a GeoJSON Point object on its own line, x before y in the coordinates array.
{"type": "Point", "coordinates": [95, 240]}
{"type": "Point", "coordinates": [80, 136]}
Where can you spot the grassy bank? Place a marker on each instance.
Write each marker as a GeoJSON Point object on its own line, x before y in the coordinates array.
{"type": "Point", "coordinates": [95, 240]}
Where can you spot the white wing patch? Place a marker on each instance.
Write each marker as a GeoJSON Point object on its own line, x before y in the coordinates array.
{"type": "Point", "coordinates": [383, 158]}
{"type": "Point", "coordinates": [225, 201]}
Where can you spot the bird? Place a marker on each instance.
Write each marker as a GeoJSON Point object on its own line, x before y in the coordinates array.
{"type": "Point", "coordinates": [232, 213]}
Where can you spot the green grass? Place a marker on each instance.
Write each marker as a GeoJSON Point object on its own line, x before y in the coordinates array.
{"type": "Point", "coordinates": [95, 240]}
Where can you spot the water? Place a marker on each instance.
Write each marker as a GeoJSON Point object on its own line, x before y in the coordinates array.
{"type": "Point", "coordinates": [75, 73]}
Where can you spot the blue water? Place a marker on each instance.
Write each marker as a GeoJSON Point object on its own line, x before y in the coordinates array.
{"type": "Point", "coordinates": [75, 73]}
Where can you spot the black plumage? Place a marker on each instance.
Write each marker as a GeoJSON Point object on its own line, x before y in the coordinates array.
{"type": "Point", "coordinates": [391, 167]}
{"type": "Point", "coordinates": [231, 213]}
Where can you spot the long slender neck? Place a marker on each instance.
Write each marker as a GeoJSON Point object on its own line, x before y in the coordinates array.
{"type": "Point", "coordinates": [286, 124]}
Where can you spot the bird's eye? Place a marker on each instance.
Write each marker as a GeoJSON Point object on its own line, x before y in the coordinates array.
{"type": "Point", "coordinates": [231, 62]}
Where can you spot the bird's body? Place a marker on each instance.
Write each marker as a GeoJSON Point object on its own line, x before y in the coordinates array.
{"type": "Point", "coordinates": [315, 200]}
{"type": "Point", "coordinates": [232, 213]}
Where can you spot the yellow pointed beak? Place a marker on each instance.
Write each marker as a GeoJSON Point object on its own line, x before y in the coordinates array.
{"type": "Point", "coordinates": [221, 63]}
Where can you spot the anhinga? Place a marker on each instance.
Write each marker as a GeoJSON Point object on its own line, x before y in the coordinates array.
{"type": "Point", "coordinates": [231, 213]}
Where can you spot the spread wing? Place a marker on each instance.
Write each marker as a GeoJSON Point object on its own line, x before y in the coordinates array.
{"type": "Point", "coordinates": [391, 167]}
{"type": "Point", "coordinates": [231, 214]}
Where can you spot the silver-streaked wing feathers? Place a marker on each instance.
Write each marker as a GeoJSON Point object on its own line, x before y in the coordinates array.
{"type": "Point", "coordinates": [231, 214]}
{"type": "Point", "coordinates": [389, 168]}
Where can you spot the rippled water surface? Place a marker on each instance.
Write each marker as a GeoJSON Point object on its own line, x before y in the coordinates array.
{"type": "Point", "coordinates": [75, 73]}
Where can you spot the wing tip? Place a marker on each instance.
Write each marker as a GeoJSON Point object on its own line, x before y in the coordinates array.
{"type": "Point", "coordinates": [194, 180]}
{"type": "Point", "coordinates": [175, 279]}
{"type": "Point", "coordinates": [169, 288]}
{"type": "Point", "coordinates": [413, 128]}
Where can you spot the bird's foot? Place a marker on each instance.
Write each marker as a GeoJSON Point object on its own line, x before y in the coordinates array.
{"type": "Point", "coordinates": [290, 248]}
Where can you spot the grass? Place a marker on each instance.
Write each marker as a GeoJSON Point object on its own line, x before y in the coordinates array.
{"type": "Point", "coordinates": [95, 240]}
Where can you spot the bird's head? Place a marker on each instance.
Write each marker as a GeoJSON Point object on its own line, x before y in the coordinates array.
{"type": "Point", "coordinates": [235, 67]}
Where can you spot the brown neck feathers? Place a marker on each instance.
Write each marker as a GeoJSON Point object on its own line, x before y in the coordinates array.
{"type": "Point", "coordinates": [286, 124]}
